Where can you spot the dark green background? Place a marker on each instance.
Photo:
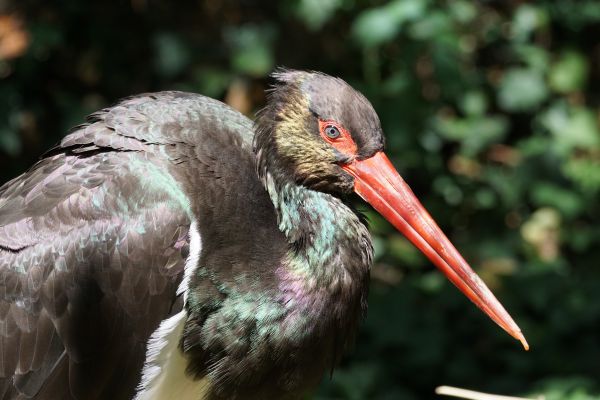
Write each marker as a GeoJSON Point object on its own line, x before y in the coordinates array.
{"type": "Point", "coordinates": [491, 113]}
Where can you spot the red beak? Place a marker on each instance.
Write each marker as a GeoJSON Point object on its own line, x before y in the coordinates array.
{"type": "Point", "coordinates": [378, 183]}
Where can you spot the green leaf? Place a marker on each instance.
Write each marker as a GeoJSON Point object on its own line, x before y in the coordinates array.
{"type": "Point", "coordinates": [462, 11]}
{"type": "Point", "coordinates": [568, 388]}
{"type": "Point", "coordinates": [431, 26]}
{"type": "Point", "coordinates": [375, 26]}
{"type": "Point", "coordinates": [474, 133]}
{"type": "Point", "coordinates": [315, 13]}
{"type": "Point", "coordinates": [446, 186]}
{"type": "Point", "coordinates": [211, 81]}
{"type": "Point", "coordinates": [485, 198]}
{"type": "Point", "coordinates": [584, 171]}
{"type": "Point", "coordinates": [474, 103]}
{"type": "Point", "coordinates": [431, 282]}
{"type": "Point", "coordinates": [569, 73]}
{"type": "Point", "coordinates": [527, 19]}
{"type": "Point", "coordinates": [378, 25]}
{"type": "Point", "coordinates": [572, 127]}
{"type": "Point", "coordinates": [251, 49]}
{"type": "Point", "coordinates": [522, 90]}
{"type": "Point", "coordinates": [564, 200]}
{"type": "Point", "coordinates": [535, 57]}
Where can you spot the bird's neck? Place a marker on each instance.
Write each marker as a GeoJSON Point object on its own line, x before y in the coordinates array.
{"type": "Point", "coordinates": [323, 280]}
{"type": "Point", "coordinates": [329, 244]}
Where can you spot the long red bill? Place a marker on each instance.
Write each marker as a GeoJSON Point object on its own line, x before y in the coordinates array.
{"type": "Point", "coordinates": [378, 183]}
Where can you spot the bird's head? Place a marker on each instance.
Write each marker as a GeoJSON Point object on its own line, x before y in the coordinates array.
{"type": "Point", "coordinates": [317, 131]}
{"type": "Point", "coordinates": [314, 124]}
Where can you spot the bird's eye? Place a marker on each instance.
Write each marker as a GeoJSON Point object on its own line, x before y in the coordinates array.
{"type": "Point", "coordinates": [337, 136]}
{"type": "Point", "coordinates": [332, 131]}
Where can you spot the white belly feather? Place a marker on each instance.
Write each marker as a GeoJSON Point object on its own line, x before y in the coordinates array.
{"type": "Point", "coordinates": [163, 376]}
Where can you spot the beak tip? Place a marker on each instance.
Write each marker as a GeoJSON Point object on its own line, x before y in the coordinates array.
{"type": "Point", "coordinates": [524, 342]}
{"type": "Point", "coordinates": [517, 334]}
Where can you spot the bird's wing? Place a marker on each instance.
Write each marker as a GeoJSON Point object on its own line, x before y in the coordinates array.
{"type": "Point", "coordinates": [93, 241]}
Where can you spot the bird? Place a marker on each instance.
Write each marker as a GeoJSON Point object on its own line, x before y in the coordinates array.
{"type": "Point", "coordinates": [172, 248]}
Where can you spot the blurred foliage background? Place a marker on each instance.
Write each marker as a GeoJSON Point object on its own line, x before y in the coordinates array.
{"type": "Point", "coordinates": [491, 110]}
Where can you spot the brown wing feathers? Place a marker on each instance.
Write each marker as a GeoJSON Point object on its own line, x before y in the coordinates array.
{"type": "Point", "coordinates": [92, 251]}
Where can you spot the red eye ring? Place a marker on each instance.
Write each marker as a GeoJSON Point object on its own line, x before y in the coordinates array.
{"type": "Point", "coordinates": [338, 137]}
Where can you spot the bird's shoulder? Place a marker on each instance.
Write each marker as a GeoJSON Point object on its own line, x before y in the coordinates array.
{"type": "Point", "coordinates": [168, 118]}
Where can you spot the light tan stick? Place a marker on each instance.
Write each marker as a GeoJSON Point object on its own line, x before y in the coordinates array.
{"type": "Point", "coordinates": [472, 395]}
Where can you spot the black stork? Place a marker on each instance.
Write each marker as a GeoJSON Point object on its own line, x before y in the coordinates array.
{"type": "Point", "coordinates": [169, 248]}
